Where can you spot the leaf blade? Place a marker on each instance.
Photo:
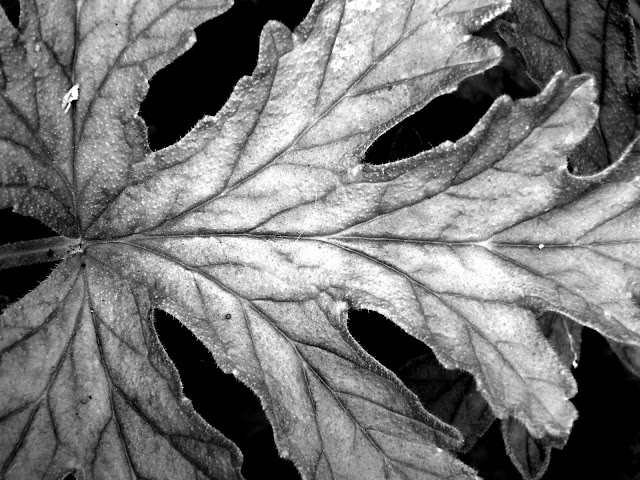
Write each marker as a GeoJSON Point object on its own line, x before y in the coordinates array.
{"type": "Point", "coordinates": [278, 263]}
{"type": "Point", "coordinates": [340, 68]}
{"type": "Point", "coordinates": [121, 47]}
{"type": "Point", "coordinates": [36, 136]}
{"type": "Point", "coordinates": [202, 229]}
{"type": "Point", "coordinates": [86, 412]}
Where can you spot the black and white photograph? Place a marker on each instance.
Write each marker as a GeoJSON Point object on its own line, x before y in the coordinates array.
{"type": "Point", "coordinates": [319, 239]}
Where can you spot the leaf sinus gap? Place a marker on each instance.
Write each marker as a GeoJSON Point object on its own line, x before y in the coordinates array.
{"type": "Point", "coordinates": [12, 10]}
{"type": "Point", "coordinates": [435, 123]}
{"type": "Point", "coordinates": [18, 281]}
{"type": "Point", "coordinates": [219, 398]}
{"type": "Point", "coordinates": [384, 340]}
{"type": "Point", "coordinates": [185, 91]}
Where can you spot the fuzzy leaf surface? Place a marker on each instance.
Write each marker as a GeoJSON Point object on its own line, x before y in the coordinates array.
{"type": "Point", "coordinates": [74, 164]}
{"type": "Point", "coordinates": [87, 388]}
{"type": "Point", "coordinates": [594, 37]}
{"type": "Point", "coordinates": [531, 455]}
{"type": "Point", "coordinates": [261, 226]}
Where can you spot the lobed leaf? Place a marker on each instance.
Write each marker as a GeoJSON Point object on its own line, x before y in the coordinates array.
{"type": "Point", "coordinates": [598, 38]}
{"type": "Point", "coordinates": [86, 388]}
{"type": "Point", "coordinates": [107, 162]}
{"type": "Point", "coordinates": [262, 225]}
{"type": "Point", "coordinates": [62, 165]}
{"type": "Point", "coordinates": [444, 274]}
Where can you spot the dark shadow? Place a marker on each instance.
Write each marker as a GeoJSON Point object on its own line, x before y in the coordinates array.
{"type": "Point", "coordinates": [605, 441]}
{"type": "Point", "coordinates": [12, 9]}
{"type": "Point", "coordinates": [16, 228]}
{"type": "Point", "coordinates": [384, 340]}
{"type": "Point", "coordinates": [199, 82]}
{"type": "Point", "coordinates": [452, 116]}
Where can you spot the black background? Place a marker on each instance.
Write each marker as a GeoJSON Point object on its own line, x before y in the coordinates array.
{"type": "Point", "coordinates": [605, 442]}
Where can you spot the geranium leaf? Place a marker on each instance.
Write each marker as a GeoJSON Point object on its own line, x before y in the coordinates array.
{"type": "Point", "coordinates": [578, 37]}
{"type": "Point", "coordinates": [355, 74]}
{"type": "Point", "coordinates": [92, 94]}
{"type": "Point", "coordinates": [584, 36]}
{"type": "Point", "coordinates": [260, 227]}
{"type": "Point", "coordinates": [530, 455]}
{"type": "Point", "coordinates": [377, 222]}
{"type": "Point", "coordinates": [61, 165]}
{"type": "Point", "coordinates": [87, 388]}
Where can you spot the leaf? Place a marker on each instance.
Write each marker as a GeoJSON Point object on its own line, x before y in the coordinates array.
{"type": "Point", "coordinates": [272, 260]}
{"type": "Point", "coordinates": [598, 38]}
{"type": "Point", "coordinates": [261, 226]}
{"type": "Point", "coordinates": [88, 389]}
{"type": "Point", "coordinates": [531, 455]}
{"type": "Point", "coordinates": [58, 167]}
{"type": "Point", "coordinates": [584, 36]}
{"type": "Point", "coordinates": [450, 395]}
{"type": "Point", "coordinates": [60, 418]}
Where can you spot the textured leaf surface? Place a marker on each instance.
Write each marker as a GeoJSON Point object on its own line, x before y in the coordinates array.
{"type": "Point", "coordinates": [58, 166]}
{"type": "Point", "coordinates": [393, 225]}
{"type": "Point", "coordinates": [584, 36]}
{"type": "Point", "coordinates": [260, 227]}
{"type": "Point", "coordinates": [84, 389]}
{"type": "Point", "coordinates": [531, 455]}
{"type": "Point", "coordinates": [595, 37]}
{"type": "Point", "coordinates": [87, 388]}
{"type": "Point", "coordinates": [451, 395]}
{"type": "Point", "coordinates": [346, 58]}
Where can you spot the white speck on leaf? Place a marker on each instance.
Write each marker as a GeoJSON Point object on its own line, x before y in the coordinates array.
{"type": "Point", "coordinates": [71, 96]}
{"type": "Point", "coordinates": [365, 5]}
